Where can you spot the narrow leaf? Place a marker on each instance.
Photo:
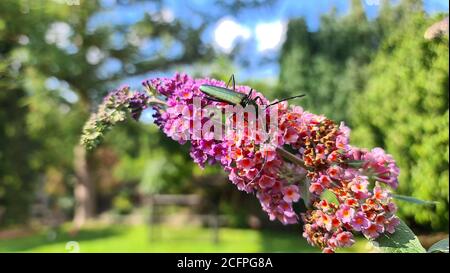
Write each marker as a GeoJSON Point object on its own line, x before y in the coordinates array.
{"type": "Point", "coordinates": [355, 163]}
{"type": "Point", "coordinates": [402, 241]}
{"type": "Point", "coordinates": [414, 200]}
{"type": "Point", "coordinates": [304, 192]}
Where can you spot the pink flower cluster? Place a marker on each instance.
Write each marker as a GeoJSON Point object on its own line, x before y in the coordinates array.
{"type": "Point", "coordinates": [358, 209]}
{"type": "Point", "coordinates": [359, 179]}
{"type": "Point", "coordinates": [252, 166]}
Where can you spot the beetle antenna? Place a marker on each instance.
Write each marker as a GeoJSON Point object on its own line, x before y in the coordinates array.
{"type": "Point", "coordinates": [290, 98]}
{"type": "Point", "coordinates": [233, 81]}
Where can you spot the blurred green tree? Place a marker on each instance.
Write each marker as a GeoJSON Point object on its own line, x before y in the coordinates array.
{"type": "Point", "coordinates": [15, 167]}
{"type": "Point", "coordinates": [390, 84]}
{"type": "Point", "coordinates": [328, 65]}
{"type": "Point", "coordinates": [55, 66]}
{"type": "Point", "coordinates": [405, 109]}
{"type": "Point", "coordinates": [57, 60]}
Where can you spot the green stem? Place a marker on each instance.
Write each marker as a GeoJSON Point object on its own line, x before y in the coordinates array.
{"type": "Point", "coordinates": [156, 101]}
{"type": "Point", "coordinates": [291, 157]}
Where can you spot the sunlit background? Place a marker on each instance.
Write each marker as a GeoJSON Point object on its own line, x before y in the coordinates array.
{"type": "Point", "coordinates": [367, 63]}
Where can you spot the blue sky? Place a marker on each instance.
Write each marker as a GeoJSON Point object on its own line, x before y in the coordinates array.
{"type": "Point", "coordinates": [259, 31]}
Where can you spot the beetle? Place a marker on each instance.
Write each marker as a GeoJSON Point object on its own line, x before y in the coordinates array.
{"type": "Point", "coordinates": [231, 96]}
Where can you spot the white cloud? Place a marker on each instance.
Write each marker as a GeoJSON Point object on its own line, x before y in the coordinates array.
{"type": "Point", "coordinates": [227, 31]}
{"type": "Point", "coordinates": [270, 36]}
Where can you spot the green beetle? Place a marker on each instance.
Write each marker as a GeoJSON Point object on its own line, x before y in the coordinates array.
{"type": "Point", "coordinates": [231, 96]}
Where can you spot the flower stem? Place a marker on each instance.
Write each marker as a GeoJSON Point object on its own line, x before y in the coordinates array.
{"type": "Point", "coordinates": [156, 101]}
{"type": "Point", "coordinates": [291, 157]}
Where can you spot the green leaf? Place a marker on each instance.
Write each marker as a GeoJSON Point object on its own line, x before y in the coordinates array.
{"type": "Point", "coordinates": [355, 163]}
{"type": "Point", "coordinates": [330, 197]}
{"type": "Point", "coordinates": [402, 241]}
{"type": "Point", "coordinates": [304, 192]}
{"type": "Point", "coordinates": [414, 200]}
{"type": "Point", "coordinates": [439, 247]}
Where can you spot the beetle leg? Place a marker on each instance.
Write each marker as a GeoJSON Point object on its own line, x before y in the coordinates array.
{"type": "Point", "coordinates": [246, 99]}
{"type": "Point", "coordinates": [260, 100]}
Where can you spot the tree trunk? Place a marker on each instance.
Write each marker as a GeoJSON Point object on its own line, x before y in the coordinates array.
{"type": "Point", "coordinates": [84, 188]}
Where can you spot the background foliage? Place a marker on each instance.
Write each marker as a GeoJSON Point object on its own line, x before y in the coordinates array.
{"type": "Point", "coordinates": [404, 108]}
{"type": "Point", "coordinates": [389, 84]}
{"type": "Point", "coordinates": [380, 76]}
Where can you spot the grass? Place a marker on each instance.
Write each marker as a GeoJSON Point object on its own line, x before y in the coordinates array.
{"type": "Point", "coordinates": [123, 238]}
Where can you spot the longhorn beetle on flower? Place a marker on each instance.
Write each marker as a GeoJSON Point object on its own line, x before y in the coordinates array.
{"type": "Point", "coordinates": [231, 96]}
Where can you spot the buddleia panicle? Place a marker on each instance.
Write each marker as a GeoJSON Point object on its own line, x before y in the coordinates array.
{"type": "Point", "coordinates": [117, 106]}
{"type": "Point", "coordinates": [361, 180]}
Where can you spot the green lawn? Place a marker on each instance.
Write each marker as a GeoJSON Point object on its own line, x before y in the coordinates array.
{"type": "Point", "coordinates": [123, 238]}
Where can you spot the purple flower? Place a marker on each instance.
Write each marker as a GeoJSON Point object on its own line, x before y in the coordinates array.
{"type": "Point", "coordinates": [360, 222]}
{"type": "Point", "coordinates": [345, 214]}
{"type": "Point", "coordinates": [344, 239]}
{"type": "Point", "coordinates": [373, 231]}
{"type": "Point", "coordinates": [137, 103]}
{"type": "Point", "coordinates": [391, 224]}
{"type": "Point", "coordinates": [266, 182]}
{"type": "Point", "coordinates": [290, 194]}
{"type": "Point", "coordinates": [382, 166]}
